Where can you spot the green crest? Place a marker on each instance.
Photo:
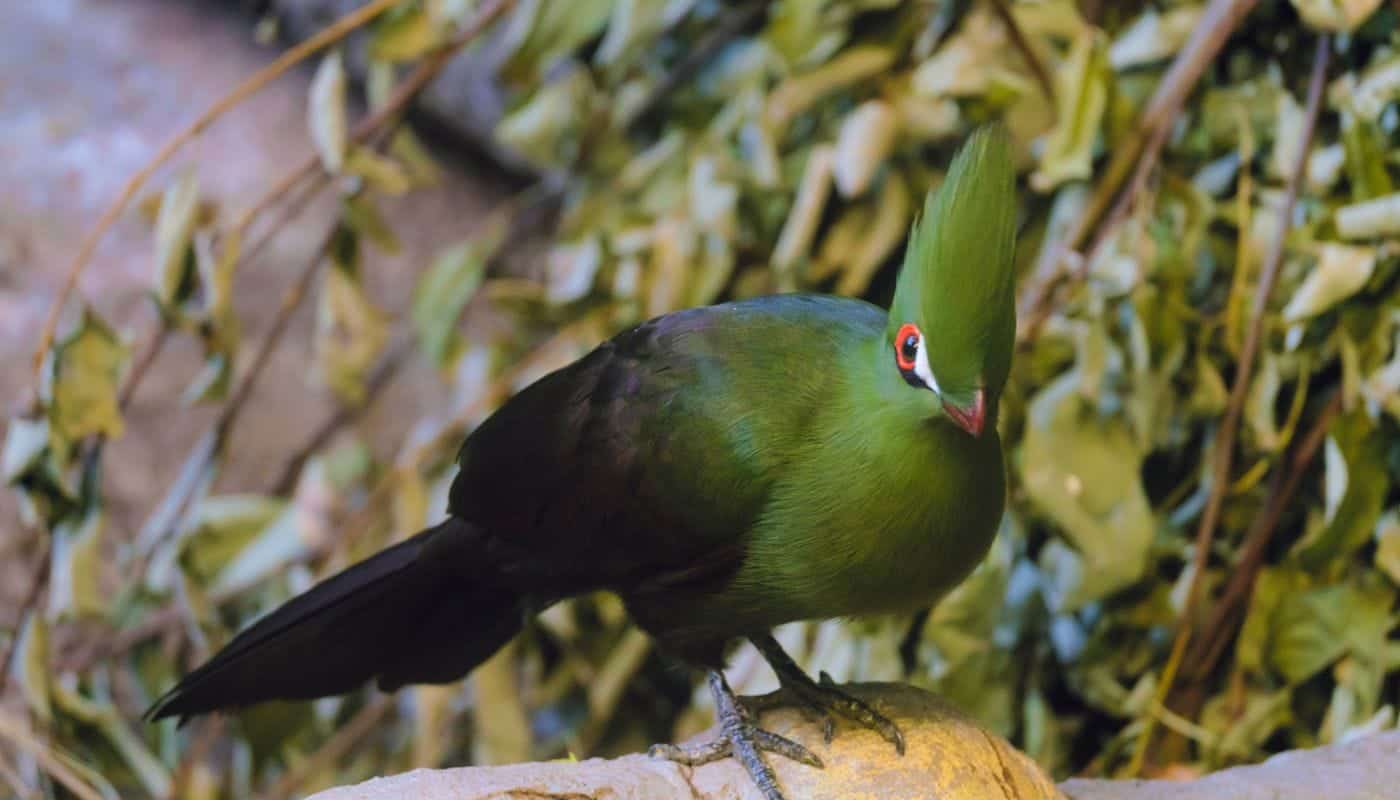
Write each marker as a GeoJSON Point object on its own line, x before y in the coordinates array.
{"type": "Point", "coordinates": [957, 282]}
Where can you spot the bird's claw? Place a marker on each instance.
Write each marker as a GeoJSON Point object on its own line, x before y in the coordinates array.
{"type": "Point", "coordinates": [821, 697]}
{"type": "Point", "coordinates": [698, 754]}
{"type": "Point", "coordinates": [741, 738]}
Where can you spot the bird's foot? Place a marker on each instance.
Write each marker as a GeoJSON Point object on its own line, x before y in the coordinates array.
{"type": "Point", "coordinates": [823, 700]}
{"type": "Point", "coordinates": [741, 738]}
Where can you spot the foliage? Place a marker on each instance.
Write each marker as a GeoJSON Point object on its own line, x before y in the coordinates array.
{"type": "Point", "coordinates": [793, 159]}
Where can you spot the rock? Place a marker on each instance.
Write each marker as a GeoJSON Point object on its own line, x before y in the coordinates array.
{"type": "Point", "coordinates": [1365, 769]}
{"type": "Point", "coordinates": [947, 756]}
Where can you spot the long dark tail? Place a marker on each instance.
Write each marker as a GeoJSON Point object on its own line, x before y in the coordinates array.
{"type": "Point", "coordinates": [421, 611]}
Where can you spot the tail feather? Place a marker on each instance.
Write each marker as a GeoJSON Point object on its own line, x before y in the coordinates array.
{"type": "Point", "coordinates": [413, 613]}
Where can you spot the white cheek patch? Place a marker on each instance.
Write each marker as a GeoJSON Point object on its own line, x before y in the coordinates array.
{"type": "Point", "coordinates": [921, 369]}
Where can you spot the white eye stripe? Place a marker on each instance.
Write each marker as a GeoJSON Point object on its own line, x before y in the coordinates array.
{"type": "Point", "coordinates": [921, 367]}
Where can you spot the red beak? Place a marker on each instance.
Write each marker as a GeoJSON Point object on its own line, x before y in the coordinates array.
{"type": "Point", "coordinates": [969, 418]}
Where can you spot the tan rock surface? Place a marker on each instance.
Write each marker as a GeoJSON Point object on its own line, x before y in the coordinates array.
{"type": "Point", "coordinates": [948, 756]}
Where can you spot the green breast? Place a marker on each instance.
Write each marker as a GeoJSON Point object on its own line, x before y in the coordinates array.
{"type": "Point", "coordinates": [860, 530]}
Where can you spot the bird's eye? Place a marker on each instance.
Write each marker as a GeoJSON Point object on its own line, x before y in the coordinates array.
{"type": "Point", "coordinates": [907, 346]}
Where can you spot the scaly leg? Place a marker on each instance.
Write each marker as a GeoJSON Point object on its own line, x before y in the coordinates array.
{"type": "Point", "coordinates": [822, 698]}
{"type": "Point", "coordinates": [740, 738]}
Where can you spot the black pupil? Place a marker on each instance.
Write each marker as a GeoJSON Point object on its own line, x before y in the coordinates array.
{"type": "Point", "coordinates": [910, 347]}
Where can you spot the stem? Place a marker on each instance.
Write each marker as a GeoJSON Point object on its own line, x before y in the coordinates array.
{"type": "Point", "coordinates": [31, 600]}
{"type": "Point", "coordinates": [349, 737]}
{"type": "Point", "coordinates": [1224, 447]}
{"type": "Point", "coordinates": [344, 415]}
{"type": "Point", "coordinates": [1206, 651]}
{"type": "Point", "coordinates": [1018, 38]}
{"type": "Point", "coordinates": [1220, 19]}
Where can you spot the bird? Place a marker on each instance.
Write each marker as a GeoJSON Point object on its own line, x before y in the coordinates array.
{"type": "Point", "coordinates": [724, 470]}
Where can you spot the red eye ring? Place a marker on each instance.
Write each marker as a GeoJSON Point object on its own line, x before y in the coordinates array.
{"type": "Point", "coordinates": [906, 346]}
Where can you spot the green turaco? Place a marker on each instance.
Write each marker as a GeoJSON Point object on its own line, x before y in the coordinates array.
{"type": "Point", "coordinates": [722, 469]}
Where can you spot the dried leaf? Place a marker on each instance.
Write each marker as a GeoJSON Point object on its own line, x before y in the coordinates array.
{"type": "Point", "coordinates": [326, 112]}
{"type": "Point", "coordinates": [1153, 36]}
{"type": "Point", "coordinates": [1335, 15]}
{"type": "Point", "coordinates": [1340, 272]}
{"type": "Point", "coordinates": [351, 332]}
{"type": "Point", "coordinates": [175, 224]}
{"type": "Point", "coordinates": [866, 138]}
{"type": "Point", "coordinates": [1081, 95]}
{"type": "Point", "coordinates": [26, 442]}
{"type": "Point", "coordinates": [75, 582]}
{"type": "Point", "coordinates": [894, 210]}
{"type": "Point", "coordinates": [795, 95]}
{"type": "Point", "coordinates": [572, 268]}
{"type": "Point", "coordinates": [795, 241]}
{"type": "Point", "coordinates": [1371, 219]}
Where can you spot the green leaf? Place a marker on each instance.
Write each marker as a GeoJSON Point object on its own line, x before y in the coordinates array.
{"type": "Point", "coordinates": [1365, 145]}
{"type": "Point", "coordinates": [1388, 544]}
{"type": "Point", "coordinates": [382, 174]}
{"type": "Point", "coordinates": [154, 776]}
{"type": "Point", "coordinates": [405, 36]}
{"type": "Point", "coordinates": [545, 130]}
{"type": "Point", "coordinates": [1271, 586]}
{"type": "Point", "coordinates": [1357, 484]}
{"type": "Point", "coordinates": [75, 588]}
{"type": "Point", "coordinates": [363, 217]}
{"type": "Point", "coordinates": [1082, 471]}
{"type": "Point", "coordinates": [1081, 93]}
{"type": "Point", "coordinates": [446, 286]}
{"type": "Point", "coordinates": [31, 668]}
{"type": "Point", "coordinates": [351, 332]}
{"type": "Point", "coordinates": [222, 527]}
{"type": "Point", "coordinates": [81, 383]}
{"type": "Point", "coordinates": [1244, 728]}
{"type": "Point", "coordinates": [415, 158]}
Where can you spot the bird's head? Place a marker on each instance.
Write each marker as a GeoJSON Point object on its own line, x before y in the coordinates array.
{"type": "Point", "coordinates": [953, 320]}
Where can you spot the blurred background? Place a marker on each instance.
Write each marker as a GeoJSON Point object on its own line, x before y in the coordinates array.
{"type": "Point", "coordinates": [260, 372]}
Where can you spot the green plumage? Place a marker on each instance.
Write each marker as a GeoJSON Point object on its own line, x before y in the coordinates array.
{"type": "Point", "coordinates": [723, 469]}
{"type": "Point", "coordinates": [958, 277]}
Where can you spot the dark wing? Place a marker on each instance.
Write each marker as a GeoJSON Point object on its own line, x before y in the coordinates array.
{"type": "Point", "coordinates": [620, 468]}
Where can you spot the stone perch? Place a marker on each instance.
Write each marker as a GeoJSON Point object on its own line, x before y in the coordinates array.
{"type": "Point", "coordinates": [949, 757]}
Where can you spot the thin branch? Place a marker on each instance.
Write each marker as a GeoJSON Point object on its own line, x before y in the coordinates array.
{"type": "Point", "coordinates": [1224, 445]}
{"type": "Point", "coordinates": [41, 574]}
{"type": "Point", "coordinates": [697, 56]}
{"type": "Point", "coordinates": [344, 415]}
{"type": "Point", "coordinates": [1219, 20]}
{"type": "Point", "coordinates": [204, 742]}
{"type": "Point", "coordinates": [368, 127]}
{"type": "Point", "coordinates": [143, 364]}
{"type": "Point", "coordinates": [333, 33]}
{"type": "Point", "coordinates": [1018, 38]}
{"type": "Point", "coordinates": [1219, 631]}
{"type": "Point", "coordinates": [171, 615]}
{"type": "Point", "coordinates": [29, 606]}
{"type": "Point", "coordinates": [346, 740]}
